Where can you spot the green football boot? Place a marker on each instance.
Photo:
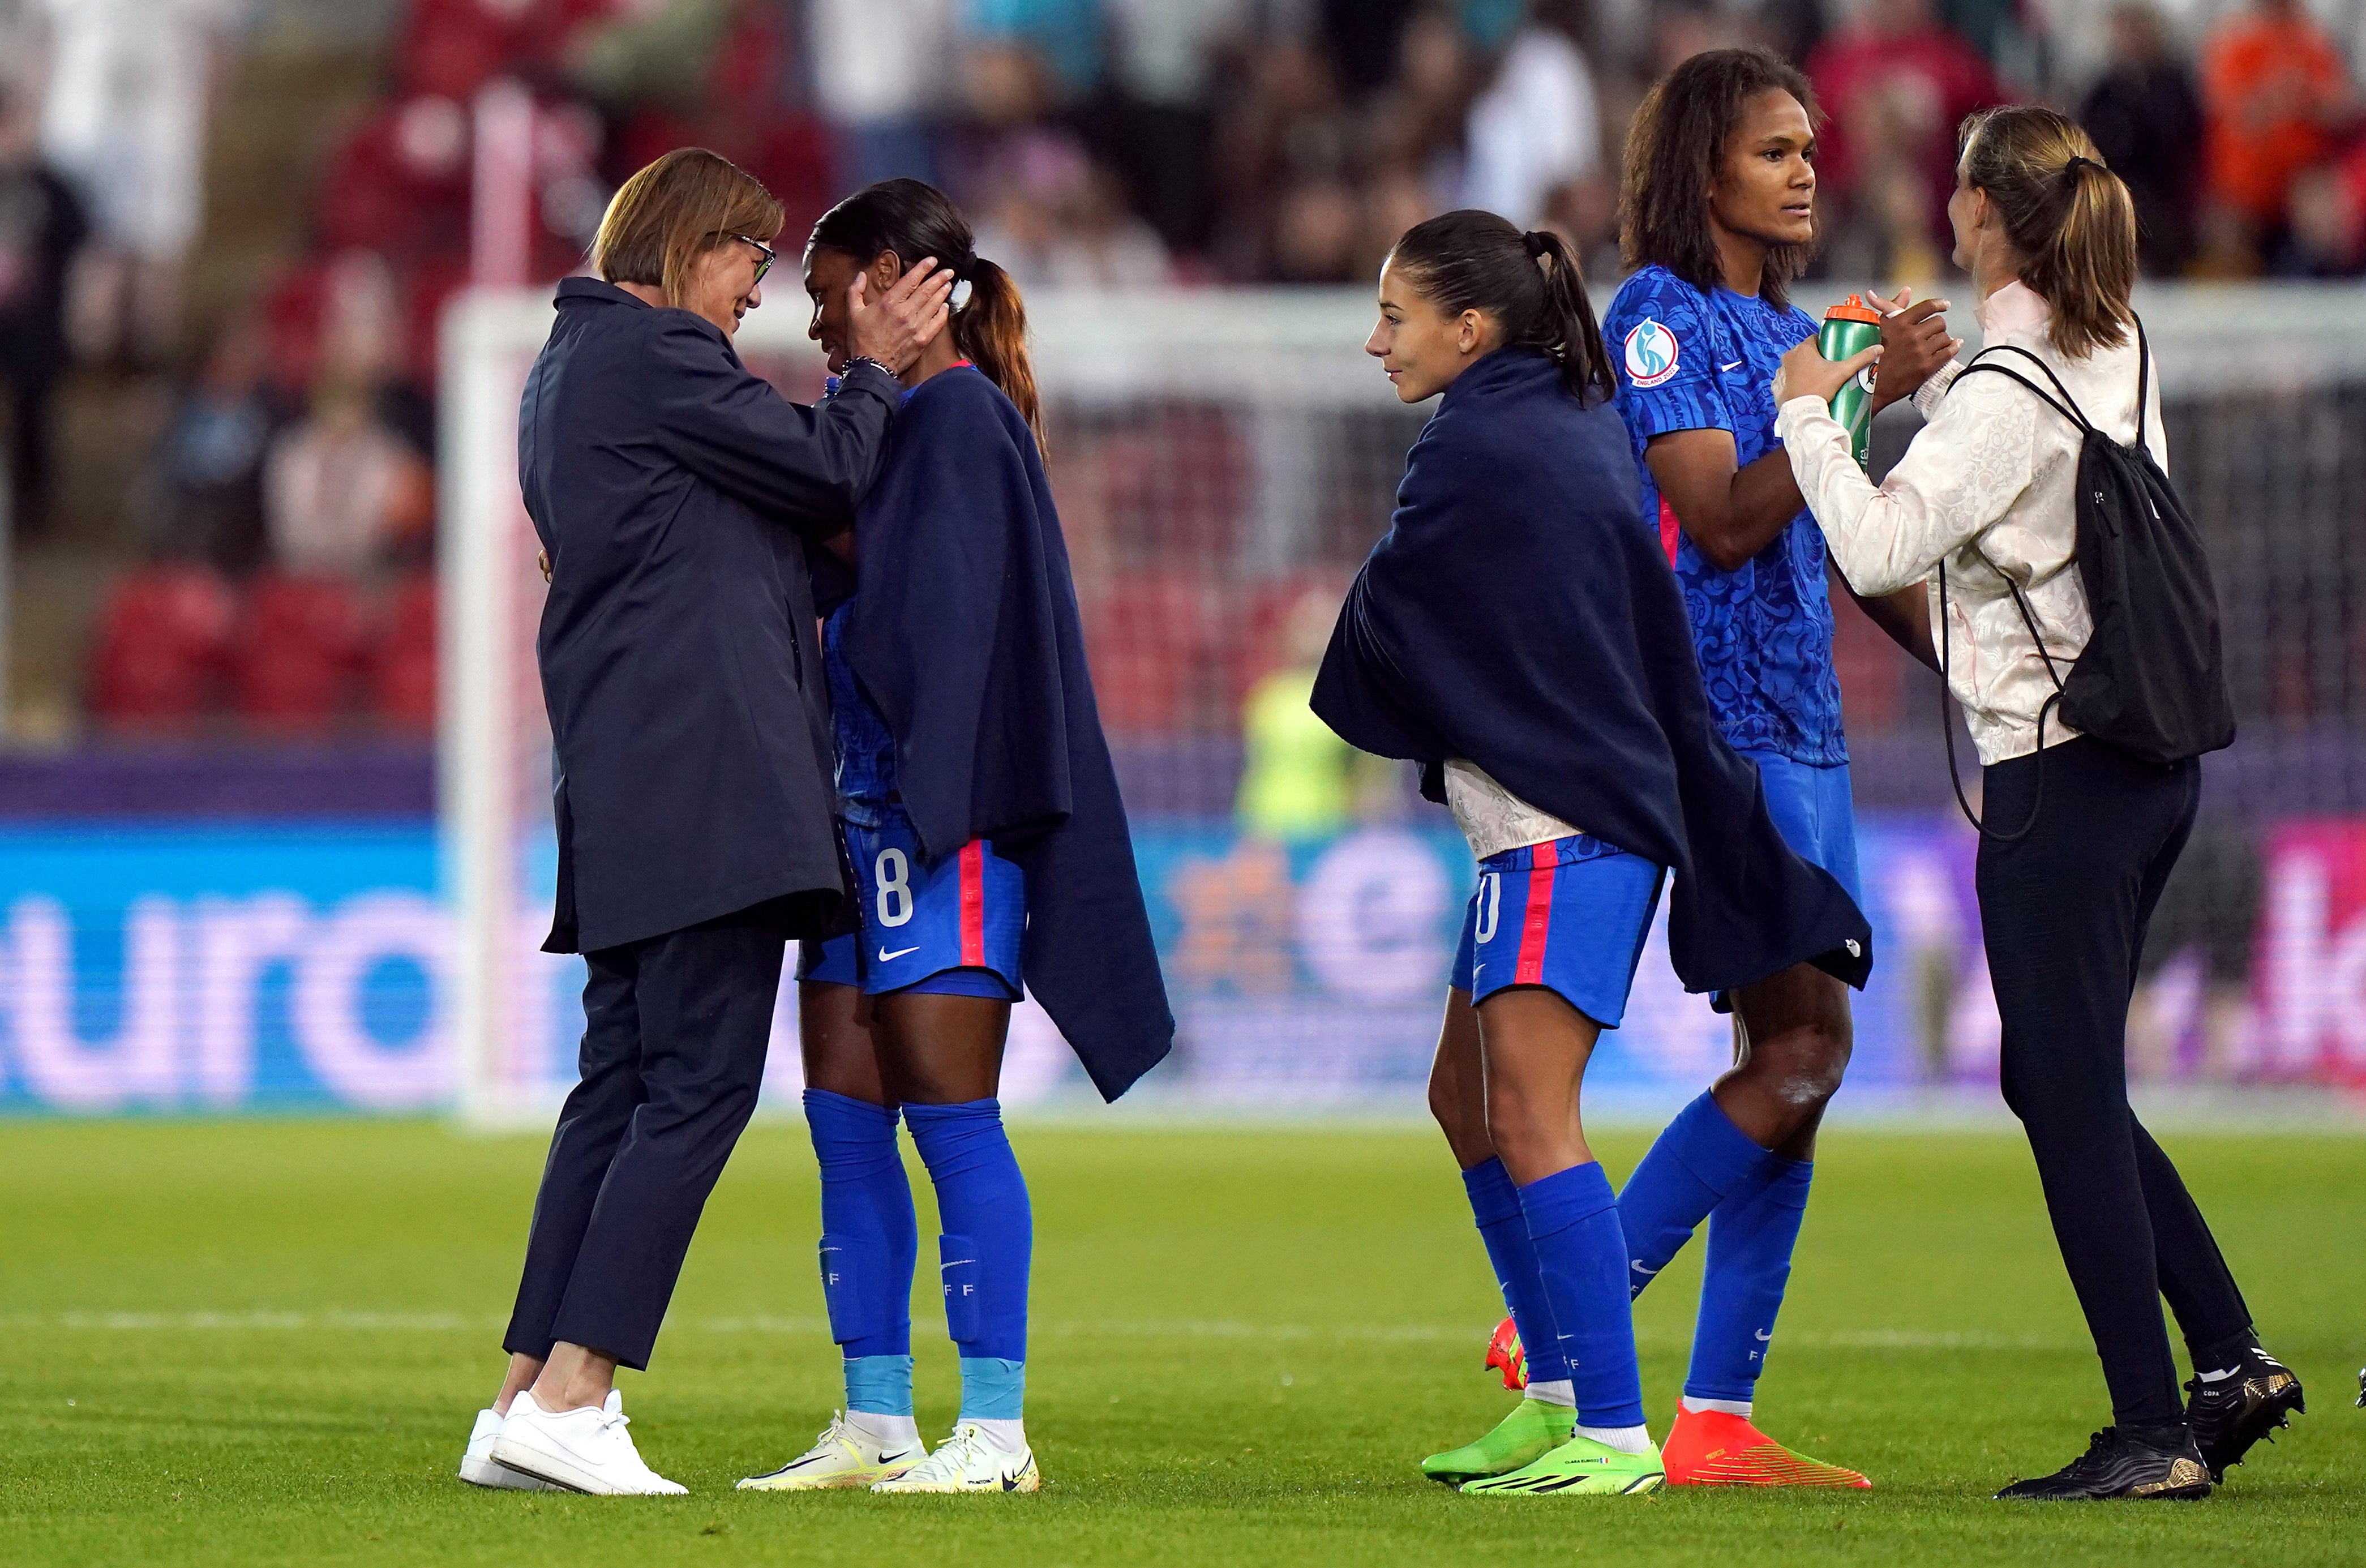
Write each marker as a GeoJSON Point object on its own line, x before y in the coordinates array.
{"type": "Point", "coordinates": [1579, 1468]}
{"type": "Point", "coordinates": [1532, 1430]}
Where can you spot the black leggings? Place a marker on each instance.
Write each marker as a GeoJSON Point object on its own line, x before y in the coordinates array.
{"type": "Point", "coordinates": [2064, 912]}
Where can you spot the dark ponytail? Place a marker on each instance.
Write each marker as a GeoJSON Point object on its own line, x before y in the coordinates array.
{"type": "Point", "coordinates": [909, 220]}
{"type": "Point", "coordinates": [991, 332]}
{"type": "Point", "coordinates": [1530, 283]}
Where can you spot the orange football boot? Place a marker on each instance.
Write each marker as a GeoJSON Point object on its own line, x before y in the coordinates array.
{"type": "Point", "coordinates": [1504, 1350]}
{"type": "Point", "coordinates": [1709, 1447]}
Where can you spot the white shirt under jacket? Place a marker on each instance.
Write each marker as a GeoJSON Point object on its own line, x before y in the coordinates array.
{"type": "Point", "coordinates": [1491, 818]}
{"type": "Point", "coordinates": [1987, 488]}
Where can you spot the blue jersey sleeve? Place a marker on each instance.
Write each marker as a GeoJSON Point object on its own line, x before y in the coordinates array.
{"type": "Point", "coordinates": [1663, 345]}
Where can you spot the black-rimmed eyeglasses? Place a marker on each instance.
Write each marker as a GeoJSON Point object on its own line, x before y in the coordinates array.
{"type": "Point", "coordinates": [765, 255]}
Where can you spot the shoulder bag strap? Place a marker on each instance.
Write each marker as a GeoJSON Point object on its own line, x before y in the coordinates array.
{"type": "Point", "coordinates": [1947, 730]}
{"type": "Point", "coordinates": [2144, 377]}
{"type": "Point", "coordinates": [2067, 407]}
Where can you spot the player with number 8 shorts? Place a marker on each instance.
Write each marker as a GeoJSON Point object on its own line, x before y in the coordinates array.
{"type": "Point", "coordinates": [980, 818]}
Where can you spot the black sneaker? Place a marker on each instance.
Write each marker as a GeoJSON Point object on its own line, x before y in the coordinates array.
{"type": "Point", "coordinates": [2230, 1414]}
{"type": "Point", "coordinates": [2119, 1464]}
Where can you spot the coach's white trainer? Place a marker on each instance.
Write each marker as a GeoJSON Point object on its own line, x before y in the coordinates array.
{"type": "Point", "coordinates": [580, 1450]}
{"type": "Point", "coordinates": [845, 1455]}
{"type": "Point", "coordinates": [477, 1465]}
{"type": "Point", "coordinates": [969, 1461]}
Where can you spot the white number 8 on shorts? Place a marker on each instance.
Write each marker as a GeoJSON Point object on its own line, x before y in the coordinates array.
{"type": "Point", "coordinates": [894, 888]}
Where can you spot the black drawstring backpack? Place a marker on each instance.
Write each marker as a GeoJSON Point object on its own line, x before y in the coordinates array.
{"type": "Point", "coordinates": [2151, 680]}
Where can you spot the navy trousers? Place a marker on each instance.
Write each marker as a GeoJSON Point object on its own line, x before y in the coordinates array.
{"type": "Point", "coordinates": [674, 1029]}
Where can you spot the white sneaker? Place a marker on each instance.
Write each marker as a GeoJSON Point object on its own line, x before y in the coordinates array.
{"type": "Point", "coordinates": [477, 1466]}
{"type": "Point", "coordinates": [966, 1462]}
{"type": "Point", "coordinates": [843, 1456]}
{"type": "Point", "coordinates": [579, 1450]}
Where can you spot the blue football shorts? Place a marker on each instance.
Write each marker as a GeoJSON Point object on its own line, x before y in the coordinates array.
{"type": "Point", "coordinates": [1812, 808]}
{"type": "Point", "coordinates": [1569, 915]}
{"type": "Point", "coordinates": [953, 930]}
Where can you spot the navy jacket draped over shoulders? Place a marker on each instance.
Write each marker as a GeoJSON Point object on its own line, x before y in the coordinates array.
{"type": "Point", "coordinates": [965, 634]}
{"type": "Point", "coordinates": [674, 491]}
{"type": "Point", "coordinates": [1518, 614]}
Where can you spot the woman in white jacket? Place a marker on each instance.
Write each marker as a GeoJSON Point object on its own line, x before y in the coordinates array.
{"type": "Point", "coordinates": [1984, 503]}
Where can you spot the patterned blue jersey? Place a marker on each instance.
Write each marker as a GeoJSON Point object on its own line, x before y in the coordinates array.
{"type": "Point", "coordinates": [866, 748]}
{"type": "Point", "coordinates": [1763, 631]}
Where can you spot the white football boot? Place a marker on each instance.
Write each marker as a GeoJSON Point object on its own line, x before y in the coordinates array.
{"type": "Point", "coordinates": [843, 1456]}
{"type": "Point", "coordinates": [579, 1450]}
{"type": "Point", "coordinates": [968, 1462]}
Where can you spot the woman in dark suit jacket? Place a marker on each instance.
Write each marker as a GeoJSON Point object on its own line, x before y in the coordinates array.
{"type": "Point", "coordinates": [674, 493]}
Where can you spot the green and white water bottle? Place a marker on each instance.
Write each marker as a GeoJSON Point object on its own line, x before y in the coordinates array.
{"type": "Point", "coordinates": [1850, 328]}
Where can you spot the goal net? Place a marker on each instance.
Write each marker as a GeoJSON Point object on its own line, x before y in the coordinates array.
{"type": "Point", "coordinates": [1223, 460]}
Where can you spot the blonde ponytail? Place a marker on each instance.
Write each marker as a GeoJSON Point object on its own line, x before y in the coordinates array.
{"type": "Point", "coordinates": [2066, 212]}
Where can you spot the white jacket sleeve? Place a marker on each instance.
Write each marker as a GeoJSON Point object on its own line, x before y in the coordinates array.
{"type": "Point", "coordinates": [1961, 475]}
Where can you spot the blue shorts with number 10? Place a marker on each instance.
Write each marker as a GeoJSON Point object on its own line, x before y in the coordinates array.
{"type": "Point", "coordinates": [952, 929]}
{"type": "Point", "coordinates": [1569, 915]}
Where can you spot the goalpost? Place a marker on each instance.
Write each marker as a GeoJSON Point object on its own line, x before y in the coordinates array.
{"type": "Point", "coordinates": [1218, 453]}
{"type": "Point", "coordinates": [1280, 361]}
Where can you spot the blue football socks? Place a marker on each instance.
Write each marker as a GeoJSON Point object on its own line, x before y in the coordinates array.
{"type": "Point", "coordinates": [869, 1245]}
{"type": "Point", "coordinates": [987, 1249]}
{"type": "Point", "coordinates": [1692, 1166]}
{"type": "Point", "coordinates": [1573, 1220]}
{"type": "Point", "coordinates": [1751, 1235]}
{"type": "Point", "coordinates": [1503, 1227]}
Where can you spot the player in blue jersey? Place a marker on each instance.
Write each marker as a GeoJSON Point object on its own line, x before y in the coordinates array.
{"type": "Point", "coordinates": [1522, 638]}
{"type": "Point", "coordinates": [1718, 214]}
{"type": "Point", "coordinates": [982, 824]}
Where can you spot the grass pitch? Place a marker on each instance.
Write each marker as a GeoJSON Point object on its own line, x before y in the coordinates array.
{"type": "Point", "coordinates": [262, 1343]}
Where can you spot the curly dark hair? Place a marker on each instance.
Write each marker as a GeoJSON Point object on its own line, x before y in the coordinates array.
{"type": "Point", "coordinates": [1675, 151]}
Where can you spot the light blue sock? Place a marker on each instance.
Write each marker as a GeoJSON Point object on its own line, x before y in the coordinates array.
{"type": "Point", "coordinates": [1573, 1219]}
{"type": "Point", "coordinates": [987, 1247]}
{"type": "Point", "coordinates": [1751, 1236]}
{"type": "Point", "coordinates": [1692, 1164]}
{"type": "Point", "coordinates": [879, 1385]}
{"type": "Point", "coordinates": [1504, 1227]}
{"type": "Point", "coordinates": [993, 1389]}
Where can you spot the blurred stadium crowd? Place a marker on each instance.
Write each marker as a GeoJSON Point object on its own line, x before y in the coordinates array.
{"type": "Point", "coordinates": [227, 227]}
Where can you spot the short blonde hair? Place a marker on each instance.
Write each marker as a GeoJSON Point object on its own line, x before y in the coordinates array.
{"type": "Point", "coordinates": [675, 210]}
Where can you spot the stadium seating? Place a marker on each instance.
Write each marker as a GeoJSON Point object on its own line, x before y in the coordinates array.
{"type": "Point", "coordinates": [295, 653]}
{"type": "Point", "coordinates": [160, 649]}
{"type": "Point", "coordinates": [401, 658]}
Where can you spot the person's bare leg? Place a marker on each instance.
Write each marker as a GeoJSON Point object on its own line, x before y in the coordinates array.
{"type": "Point", "coordinates": [1533, 1048]}
{"type": "Point", "coordinates": [523, 1370]}
{"type": "Point", "coordinates": [1458, 1084]}
{"type": "Point", "coordinates": [574, 1379]}
{"type": "Point", "coordinates": [941, 1050]}
{"type": "Point", "coordinates": [835, 1037]}
{"type": "Point", "coordinates": [1791, 1052]}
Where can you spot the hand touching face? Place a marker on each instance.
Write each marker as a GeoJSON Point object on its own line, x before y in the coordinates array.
{"type": "Point", "coordinates": [908, 314]}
